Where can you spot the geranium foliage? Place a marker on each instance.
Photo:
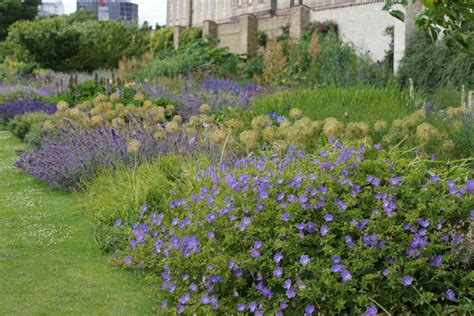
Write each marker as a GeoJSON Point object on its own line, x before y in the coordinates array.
{"type": "Point", "coordinates": [347, 229]}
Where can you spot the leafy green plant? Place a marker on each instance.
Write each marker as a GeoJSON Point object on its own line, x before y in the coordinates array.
{"type": "Point", "coordinates": [28, 126]}
{"type": "Point", "coordinates": [201, 56]}
{"type": "Point", "coordinates": [162, 39]}
{"type": "Point", "coordinates": [190, 35]}
{"type": "Point", "coordinates": [64, 45]}
{"type": "Point", "coordinates": [119, 193]}
{"type": "Point", "coordinates": [343, 230]}
{"type": "Point", "coordinates": [449, 18]}
{"type": "Point", "coordinates": [433, 65]}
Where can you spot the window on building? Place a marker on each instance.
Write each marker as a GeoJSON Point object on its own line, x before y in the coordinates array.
{"type": "Point", "coordinates": [184, 8]}
{"type": "Point", "coordinates": [201, 8]}
{"type": "Point", "coordinates": [177, 9]}
{"type": "Point", "coordinates": [215, 6]}
{"type": "Point", "coordinates": [239, 3]}
{"type": "Point", "coordinates": [208, 8]}
{"type": "Point", "coordinates": [250, 2]}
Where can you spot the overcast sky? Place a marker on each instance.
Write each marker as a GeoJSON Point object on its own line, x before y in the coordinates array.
{"type": "Point", "coordinates": [152, 11]}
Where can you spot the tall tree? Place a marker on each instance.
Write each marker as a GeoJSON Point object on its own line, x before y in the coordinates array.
{"type": "Point", "coordinates": [16, 10]}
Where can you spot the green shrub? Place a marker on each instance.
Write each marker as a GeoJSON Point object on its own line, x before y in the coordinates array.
{"type": "Point", "coordinates": [162, 39]}
{"type": "Point", "coordinates": [190, 35]}
{"type": "Point", "coordinates": [66, 45]}
{"type": "Point", "coordinates": [28, 127]}
{"type": "Point", "coordinates": [432, 65]}
{"type": "Point", "coordinates": [341, 231]}
{"type": "Point", "coordinates": [444, 97]}
{"type": "Point", "coordinates": [339, 63]}
{"type": "Point", "coordinates": [203, 56]}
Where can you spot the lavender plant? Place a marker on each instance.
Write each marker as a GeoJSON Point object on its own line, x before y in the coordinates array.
{"type": "Point", "coordinates": [10, 109]}
{"type": "Point", "coordinates": [73, 155]}
{"type": "Point", "coordinates": [343, 231]}
{"type": "Point", "coordinates": [217, 93]}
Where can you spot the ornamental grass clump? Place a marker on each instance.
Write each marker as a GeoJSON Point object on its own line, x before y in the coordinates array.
{"type": "Point", "coordinates": [345, 230]}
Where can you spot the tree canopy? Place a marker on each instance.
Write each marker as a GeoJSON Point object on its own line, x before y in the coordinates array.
{"type": "Point", "coordinates": [65, 44]}
{"type": "Point", "coordinates": [452, 18]}
{"type": "Point", "coordinates": [16, 10]}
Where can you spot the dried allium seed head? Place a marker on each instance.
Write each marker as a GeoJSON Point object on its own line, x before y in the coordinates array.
{"type": "Point", "coordinates": [178, 119]}
{"type": "Point", "coordinates": [205, 109]}
{"type": "Point", "coordinates": [170, 108]}
{"type": "Point", "coordinates": [234, 124]}
{"type": "Point", "coordinates": [133, 146]}
{"type": "Point", "coordinates": [115, 97]}
{"type": "Point", "coordinates": [260, 122]}
{"type": "Point", "coordinates": [159, 135]}
{"type": "Point", "coordinates": [95, 121]}
{"type": "Point", "coordinates": [62, 106]}
{"type": "Point", "coordinates": [100, 98]}
{"type": "Point", "coordinates": [148, 105]}
{"type": "Point", "coordinates": [295, 113]}
{"type": "Point", "coordinates": [172, 127]}
{"type": "Point", "coordinates": [380, 126]}
{"type": "Point", "coordinates": [217, 136]}
{"type": "Point", "coordinates": [448, 146]}
{"type": "Point", "coordinates": [268, 134]}
{"type": "Point", "coordinates": [333, 128]}
{"type": "Point", "coordinates": [140, 97]}
{"type": "Point", "coordinates": [249, 139]}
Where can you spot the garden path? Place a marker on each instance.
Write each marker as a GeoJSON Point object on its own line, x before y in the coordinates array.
{"type": "Point", "coordinates": [49, 261]}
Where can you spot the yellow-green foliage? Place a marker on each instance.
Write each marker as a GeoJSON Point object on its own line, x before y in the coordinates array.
{"type": "Point", "coordinates": [162, 39]}
{"type": "Point", "coordinates": [119, 194]}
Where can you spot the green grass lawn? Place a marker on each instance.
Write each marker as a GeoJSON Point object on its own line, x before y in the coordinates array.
{"type": "Point", "coordinates": [49, 261]}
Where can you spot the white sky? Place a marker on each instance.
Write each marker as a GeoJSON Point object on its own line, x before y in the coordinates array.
{"type": "Point", "coordinates": [152, 11]}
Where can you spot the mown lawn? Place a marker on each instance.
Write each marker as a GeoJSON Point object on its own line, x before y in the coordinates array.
{"type": "Point", "coordinates": [49, 261]}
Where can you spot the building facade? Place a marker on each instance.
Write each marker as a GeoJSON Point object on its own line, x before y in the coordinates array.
{"type": "Point", "coordinates": [118, 10]}
{"type": "Point", "coordinates": [50, 8]}
{"type": "Point", "coordinates": [236, 22]}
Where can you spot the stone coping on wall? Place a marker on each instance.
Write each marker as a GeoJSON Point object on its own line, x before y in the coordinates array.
{"type": "Point", "coordinates": [344, 5]}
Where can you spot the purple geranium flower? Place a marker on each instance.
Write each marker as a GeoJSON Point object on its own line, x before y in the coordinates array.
{"type": "Point", "coordinates": [324, 230]}
{"type": "Point", "coordinates": [450, 295]}
{"type": "Point", "coordinates": [285, 217]}
{"type": "Point", "coordinates": [370, 311]}
{"type": "Point", "coordinates": [241, 308]}
{"type": "Point", "coordinates": [179, 309]}
{"type": "Point", "coordinates": [346, 276]}
{"type": "Point", "coordinates": [423, 222]}
{"type": "Point", "coordinates": [436, 261]}
{"type": "Point", "coordinates": [244, 223]}
{"type": "Point", "coordinates": [127, 260]}
{"type": "Point", "coordinates": [328, 217]}
{"type": "Point", "coordinates": [309, 310]}
{"type": "Point", "coordinates": [278, 256]}
{"type": "Point", "coordinates": [278, 272]}
{"type": "Point", "coordinates": [290, 293]}
{"type": "Point", "coordinates": [254, 253]}
{"type": "Point", "coordinates": [407, 280]}
{"type": "Point", "coordinates": [305, 260]}
{"type": "Point", "coordinates": [337, 268]}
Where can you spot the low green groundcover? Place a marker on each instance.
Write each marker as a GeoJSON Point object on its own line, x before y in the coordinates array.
{"type": "Point", "coordinates": [345, 230]}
